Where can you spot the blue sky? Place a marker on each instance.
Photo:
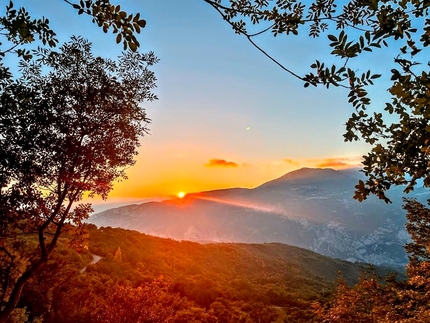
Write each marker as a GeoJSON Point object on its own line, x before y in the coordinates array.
{"type": "Point", "coordinates": [221, 100]}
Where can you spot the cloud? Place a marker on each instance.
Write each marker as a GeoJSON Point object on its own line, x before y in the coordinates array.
{"type": "Point", "coordinates": [336, 163]}
{"type": "Point", "coordinates": [221, 163]}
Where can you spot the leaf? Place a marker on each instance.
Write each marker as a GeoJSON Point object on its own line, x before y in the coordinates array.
{"type": "Point", "coordinates": [142, 23]}
{"type": "Point", "coordinates": [132, 46]}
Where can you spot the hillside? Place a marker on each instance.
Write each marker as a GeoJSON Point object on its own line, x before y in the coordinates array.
{"type": "Point", "coordinates": [191, 282]}
{"type": "Point", "coordinates": [308, 208]}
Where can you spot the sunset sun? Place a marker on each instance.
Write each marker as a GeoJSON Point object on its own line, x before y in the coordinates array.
{"type": "Point", "coordinates": [181, 194]}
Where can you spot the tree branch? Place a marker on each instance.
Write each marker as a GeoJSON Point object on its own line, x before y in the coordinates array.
{"type": "Point", "coordinates": [217, 7]}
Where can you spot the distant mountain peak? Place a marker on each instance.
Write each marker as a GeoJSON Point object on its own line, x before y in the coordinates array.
{"type": "Point", "coordinates": [311, 172]}
{"type": "Point", "coordinates": [308, 174]}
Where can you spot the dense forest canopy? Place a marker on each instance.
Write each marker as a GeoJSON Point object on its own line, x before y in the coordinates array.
{"type": "Point", "coordinates": [140, 276]}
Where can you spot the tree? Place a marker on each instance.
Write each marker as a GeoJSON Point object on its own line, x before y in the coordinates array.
{"type": "Point", "coordinates": [107, 16]}
{"type": "Point", "coordinates": [398, 132]}
{"type": "Point", "coordinates": [69, 126]}
{"type": "Point", "coordinates": [376, 300]}
{"type": "Point", "coordinates": [149, 303]}
{"type": "Point", "coordinates": [26, 192]}
{"type": "Point", "coordinates": [415, 297]}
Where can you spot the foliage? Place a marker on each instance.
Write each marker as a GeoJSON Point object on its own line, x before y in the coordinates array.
{"type": "Point", "coordinates": [149, 303]}
{"type": "Point", "coordinates": [180, 281]}
{"type": "Point", "coordinates": [399, 136]}
{"type": "Point", "coordinates": [373, 300]}
{"type": "Point", "coordinates": [107, 16]}
{"type": "Point", "coordinates": [398, 133]}
{"type": "Point", "coordinates": [19, 28]}
{"type": "Point", "coordinates": [45, 120]}
{"type": "Point", "coordinates": [360, 303]}
{"type": "Point", "coordinates": [69, 126]}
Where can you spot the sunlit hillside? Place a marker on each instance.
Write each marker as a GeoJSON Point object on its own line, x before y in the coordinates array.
{"type": "Point", "coordinates": [133, 276]}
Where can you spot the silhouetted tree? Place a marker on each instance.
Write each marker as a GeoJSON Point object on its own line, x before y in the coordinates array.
{"type": "Point", "coordinates": [69, 126]}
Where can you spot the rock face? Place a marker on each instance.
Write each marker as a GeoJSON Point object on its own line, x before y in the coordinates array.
{"type": "Point", "coordinates": [309, 208]}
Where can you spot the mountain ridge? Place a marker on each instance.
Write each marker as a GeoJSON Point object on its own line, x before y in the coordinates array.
{"type": "Point", "coordinates": [310, 208]}
{"type": "Point", "coordinates": [307, 173]}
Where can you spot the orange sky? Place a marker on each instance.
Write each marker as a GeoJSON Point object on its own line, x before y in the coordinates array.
{"type": "Point", "coordinates": [226, 115]}
{"type": "Point", "coordinates": [200, 174]}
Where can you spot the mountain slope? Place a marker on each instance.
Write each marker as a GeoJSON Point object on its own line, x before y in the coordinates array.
{"type": "Point", "coordinates": [309, 208]}
{"type": "Point", "coordinates": [309, 176]}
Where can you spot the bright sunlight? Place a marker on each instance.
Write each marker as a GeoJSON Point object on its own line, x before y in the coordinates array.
{"type": "Point", "coordinates": [181, 194]}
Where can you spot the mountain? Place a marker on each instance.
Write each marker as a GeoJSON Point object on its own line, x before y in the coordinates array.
{"type": "Point", "coordinates": [308, 176]}
{"type": "Point", "coordinates": [308, 208]}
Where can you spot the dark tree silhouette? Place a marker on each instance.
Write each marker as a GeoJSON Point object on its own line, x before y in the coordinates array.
{"type": "Point", "coordinates": [70, 126]}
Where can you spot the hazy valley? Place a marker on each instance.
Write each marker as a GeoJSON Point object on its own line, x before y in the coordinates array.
{"type": "Point", "coordinates": [308, 208]}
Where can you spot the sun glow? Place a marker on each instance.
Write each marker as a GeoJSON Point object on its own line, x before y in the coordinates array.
{"type": "Point", "coordinates": [181, 194]}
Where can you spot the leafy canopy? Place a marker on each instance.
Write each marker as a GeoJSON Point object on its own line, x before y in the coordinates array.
{"type": "Point", "coordinates": [19, 28]}
{"type": "Point", "coordinates": [70, 125]}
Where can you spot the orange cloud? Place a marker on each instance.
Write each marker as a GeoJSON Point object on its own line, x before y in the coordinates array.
{"type": "Point", "coordinates": [221, 163]}
{"type": "Point", "coordinates": [336, 163]}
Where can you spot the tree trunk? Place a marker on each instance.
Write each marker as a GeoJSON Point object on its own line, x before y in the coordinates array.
{"type": "Point", "coordinates": [17, 289]}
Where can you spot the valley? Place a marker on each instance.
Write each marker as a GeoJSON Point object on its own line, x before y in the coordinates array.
{"type": "Point", "coordinates": [308, 208]}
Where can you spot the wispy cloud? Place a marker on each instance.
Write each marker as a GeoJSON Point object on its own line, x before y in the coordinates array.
{"type": "Point", "coordinates": [340, 162]}
{"type": "Point", "coordinates": [221, 163]}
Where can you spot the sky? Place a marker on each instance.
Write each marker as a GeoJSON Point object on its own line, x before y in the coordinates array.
{"type": "Point", "coordinates": [226, 115]}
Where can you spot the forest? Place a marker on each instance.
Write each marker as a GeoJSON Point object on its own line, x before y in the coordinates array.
{"type": "Point", "coordinates": [141, 278]}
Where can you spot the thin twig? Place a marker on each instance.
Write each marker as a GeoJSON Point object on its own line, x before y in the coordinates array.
{"type": "Point", "coordinates": [262, 31]}
{"type": "Point", "coordinates": [217, 8]}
